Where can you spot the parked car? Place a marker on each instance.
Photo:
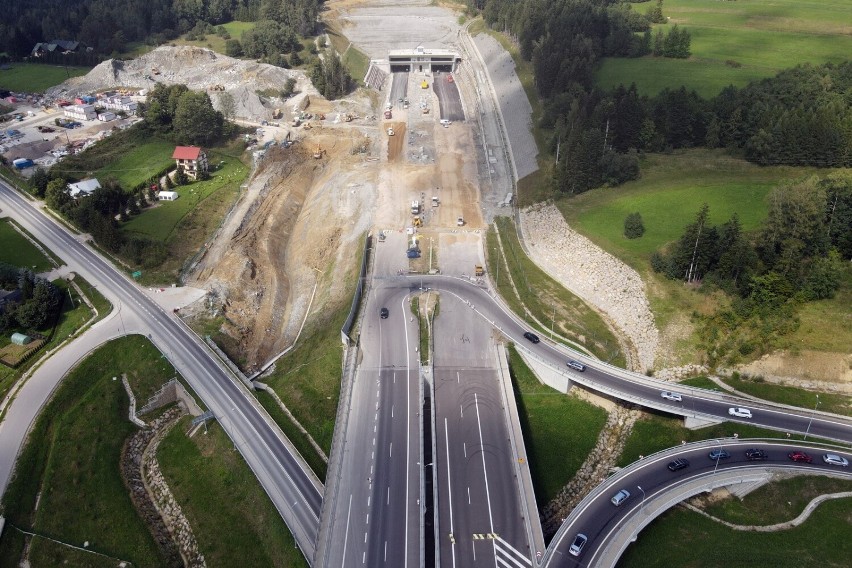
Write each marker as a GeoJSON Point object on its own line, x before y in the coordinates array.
{"type": "Point", "coordinates": [678, 464]}
{"type": "Point", "coordinates": [578, 544]}
{"type": "Point", "coordinates": [532, 337]}
{"type": "Point", "coordinates": [620, 497]}
{"type": "Point", "coordinates": [576, 365]}
{"type": "Point", "coordinates": [383, 313]}
{"type": "Point", "coordinates": [668, 395]}
{"type": "Point", "coordinates": [718, 454]}
{"type": "Point", "coordinates": [740, 412]}
{"type": "Point", "coordinates": [756, 454]}
{"type": "Point", "coordinates": [800, 457]}
{"type": "Point", "coordinates": [834, 459]}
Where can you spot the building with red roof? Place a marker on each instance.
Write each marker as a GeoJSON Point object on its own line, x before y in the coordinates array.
{"type": "Point", "coordinates": [192, 159]}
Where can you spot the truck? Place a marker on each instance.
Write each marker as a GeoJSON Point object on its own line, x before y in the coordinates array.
{"type": "Point", "coordinates": [478, 270]}
{"type": "Point", "coordinates": [22, 163]}
{"type": "Point", "coordinates": [435, 201]}
{"type": "Point", "coordinates": [388, 115]}
{"type": "Point", "coordinates": [415, 207]}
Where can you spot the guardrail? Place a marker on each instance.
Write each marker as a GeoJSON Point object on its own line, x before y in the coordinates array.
{"type": "Point", "coordinates": [359, 289]}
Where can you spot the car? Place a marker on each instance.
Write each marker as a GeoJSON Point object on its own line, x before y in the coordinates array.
{"type": "Point", "coordinates": [834, 459]}
{"type": "Point", "coordinates": [620, 497]}
{"type": "Point", "coordinates": [576, 365]}
{"type": "Point", "coordinates": [756, 454]}
{"type": "Point", "coordinates": [531, 336]}
{"type": "Point", "coordinates": [798, 456]}
{"type": "Point", "coordinates": [719, 454]}
{"type": "Point", "coordinates": [669, 395]}
{"type": "Point", "coordinates": [678, 464]}
{"type": "Point", "coordinates": [578, 544]}
{"type": "Point", "coordinates": [384, 313]}
{"type": "Point", "coordinates": [740, 412]}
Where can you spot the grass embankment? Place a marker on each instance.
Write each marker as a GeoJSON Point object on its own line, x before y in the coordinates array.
{"type": "Point", "coordinates": [70, 464]}
{"type": "Point", "coordinates": [17, 250]}
{"type": "Point", "coordinates": [700, 382]}
{"type": "Point", "coordinates": [356, 61]}
{"type": "Point", "coordinates": [233, 520]}
{"type": "Point", "coordinates": [559, 429]}
{"type": "Point", "coordinates": [546, 299]}
{"type": "Point", "coordinates": [654, 433]}
{"type": "Point", "coordinates": [738, 42]}
{"type": "Point", "coordinates": [668, 195]}
{"type": "Point", "coordinates": [37, 77]}
{"type": "Point", "coordinates": [423, 325]}
{"type": "Point", "coordinates": [316, 463]}
{"type": "Point", "coordinates": [696, 541]}
{"type": "Point", "coordinates": [836, 403]}
{"type": "Point", "coordinates": [215, 42]}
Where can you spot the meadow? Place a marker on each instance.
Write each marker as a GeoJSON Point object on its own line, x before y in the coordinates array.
{"type": "Point", "coordinates": [737, 42]}
{"type": "Point", "coordinates": [37, 77]}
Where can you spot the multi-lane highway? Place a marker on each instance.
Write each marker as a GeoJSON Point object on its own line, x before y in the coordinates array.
{"type": "Point", "coordinates": [649, 482]}
{"type": "Point", "coordinates": [296, 492]}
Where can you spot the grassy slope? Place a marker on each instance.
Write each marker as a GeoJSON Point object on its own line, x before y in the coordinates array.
{"type": "Point", "coordinates": [18, 251]}
{"type": "Point", "coordinates": [35, 77]}
{"type": "Point", "coordinates": [559, 430]}
{"type": "Point", "coordinates": [697, 542]}
{"type": "Point", "coordinates": [71, 461]}
{"type": "Point", "coordinates": [233, 520]}
{"type": "Point", "coordinates": [215, 42]}
{"type": "Point", "coordinates": [137, 166]}
{"type": "Point", "coordinates": [763, 37]}
{"type": "Point", "coordinates": [836, 403]}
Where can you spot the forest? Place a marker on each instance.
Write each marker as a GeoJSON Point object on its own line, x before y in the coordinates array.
{"type": "Point", "coordinates": [800, 117]}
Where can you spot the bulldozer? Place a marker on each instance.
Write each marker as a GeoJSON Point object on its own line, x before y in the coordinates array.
{"type": "Point", "coordinates": [424, 84]}
{"type": "Point", "coordinates": [417, 222]}
{"type": "Point", "coordinates": [390, 131]}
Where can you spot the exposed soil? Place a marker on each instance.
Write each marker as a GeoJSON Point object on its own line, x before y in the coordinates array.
{"type": "Point", "coordinates": [803, 369]}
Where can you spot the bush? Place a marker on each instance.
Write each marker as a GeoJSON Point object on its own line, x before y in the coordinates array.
{"type": "Point", "coordinates": [633, 226]}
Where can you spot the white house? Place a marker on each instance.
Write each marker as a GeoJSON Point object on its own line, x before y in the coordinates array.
{"type": "Point", "coordinates": [81, 112]}
{"type": "Point", "coordinates": [126, 104]}
{"type": "Point", "coordinates": [83, 188]}
{"type": "Point", "coordinates": [167, 195]}
{"type": "Point", "coordinates": [106, 116]}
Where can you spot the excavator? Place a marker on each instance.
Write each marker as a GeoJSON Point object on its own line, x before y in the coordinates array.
{"type": "Point", "coordinates": [318, 152]}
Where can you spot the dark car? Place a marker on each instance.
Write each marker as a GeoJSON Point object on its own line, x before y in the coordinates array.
{"type": "Point", "coordinates": [532, 337]}
{"type": "Point", "coordinates": [383, 313]}
{"type": "Point", "coordinates": [678, 464]}
{"type": "Point", "coordinates": [800, 457]}
{"type": "Point", "coordinates": [756, 454]}
{"type": "Point", "coordinates": [718, 454]}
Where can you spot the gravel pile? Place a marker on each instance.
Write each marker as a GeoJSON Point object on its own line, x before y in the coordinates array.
{"type": "Point", "coordinates": [199, 69]}
{"type": "Point", "coordinates": [594, 275]}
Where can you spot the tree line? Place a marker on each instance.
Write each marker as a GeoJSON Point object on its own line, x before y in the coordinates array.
{"type": "Point", "coordinates": [38, 304]}
{"type": "Point", "coordinates": [800, 117]}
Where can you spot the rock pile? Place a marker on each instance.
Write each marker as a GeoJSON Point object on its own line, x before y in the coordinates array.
{"type": "Point", "coordinates": [594, 275]}
{"type": "Point", "coordinates": [594, 470]}
{"type": "Point", "coordinates": [678, 374]}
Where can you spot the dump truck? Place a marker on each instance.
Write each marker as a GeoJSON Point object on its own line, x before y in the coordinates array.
{"type": "Point", "coordinates": [388, 115]}
{"type": "Point", "coordinates": [478, 270]}
{"type": "Point", "coordinates": [415, 207]}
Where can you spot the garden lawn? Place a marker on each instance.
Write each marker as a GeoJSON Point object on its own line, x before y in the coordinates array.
{"type": "Point", "coordinates": [559, 430]}
{"type": "Point", "coordinates": [698, 542]}
{"type": "Point", "coordinates": [70, 464]}
{"type": "Point", "coordinates": [232, 518]}
{"type": "Point", "coordinates": [761, 37]}
{"type": "Point", "coordinates": [17, 250]}
{"type": "Point", "coordinates": [139, 164]}
{"type": "Point", "coordinates": [37, 77]}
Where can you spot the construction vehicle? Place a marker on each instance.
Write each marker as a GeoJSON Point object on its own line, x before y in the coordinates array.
{"type": "Point", "coordinates": [415, 207]}
{"type": "Point", "coordinates": [388, 115]}
{"type": "Point", "coordinates": [460, 221]}
{"type": "Point", "coordinates": [424, 84]}
{"type": "Point", "coordinates": [318, 152]}
{"type": "Point", "coordinates": [425, 110]}
{"type": "Point", "coordinates": [416, 222]}
{"type": "Point", "coordinates": [347, 118]}
{"type": "Point", "coordinates": [390, 131]}
{"type": "Point", "coordinates": [478, 270]}
{"type": "Point", "coordinates": [435, 201]}
{"type": "Point", "coordinates": [276, 114]}
{"type": "Point", "coordinates": [307, 126]}
{"type": "Point", "coordinates": [450, 79]}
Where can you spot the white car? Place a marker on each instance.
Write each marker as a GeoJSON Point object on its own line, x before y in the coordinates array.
{"type": "Point", "coordinates": [740, 412]}
{"type": "Point", "coordinates": [834, 459]}
{"type": "Point", "coordinates": [668, 395]}
{"type": "Point", "coordinates": [620, 497]}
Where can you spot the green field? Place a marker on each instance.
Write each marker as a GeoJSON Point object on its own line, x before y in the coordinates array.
{"type": "Point", "coordinates": [132, 168]}
{"type": "Point", "coordinates": [232, 519]}
{"type": "Point", "coordinates": [824, 540]}
{"type": "Point", "coordinates": [213, 41]}
{"type": "Point", "coordinates": [16, 250]}
{"type": "Point", "coordinates": [36, 77]}
{"type": "Point", "coordinates": [763, 37]}
{"type": "Point", "coordinates": [559, 430]}
{"type": "Point", "coordinates": [835, 403]}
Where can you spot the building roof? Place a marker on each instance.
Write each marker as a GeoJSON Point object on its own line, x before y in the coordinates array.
{"type": "Point", "coordinates": [186, 153]}
{"type": "Point", "coordinates": [85, 187]}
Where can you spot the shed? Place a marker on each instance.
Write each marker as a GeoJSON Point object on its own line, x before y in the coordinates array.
{"type": "Point", "coordinates": [167, 195]}
{"type": "Point", "coordinates": [21, 339]}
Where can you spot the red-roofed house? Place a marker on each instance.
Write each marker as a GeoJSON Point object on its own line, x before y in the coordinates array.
{"type": "Point", "coordinates": [192, 159]}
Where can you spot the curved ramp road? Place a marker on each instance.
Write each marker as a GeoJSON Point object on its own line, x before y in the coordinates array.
{"type": "Point", "coordinates": [283, 473]}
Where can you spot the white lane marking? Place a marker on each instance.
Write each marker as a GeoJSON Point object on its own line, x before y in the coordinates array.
{"type": "Point", "coordinates": [407, 431]}
{"type": "Point", "coordinates": [464, 445]}
{"type": "Point", "coordinates": [484, 471]}
{"type": "Point", "coordinates": [364, 556]}
{"type": "Point", "coordinates": [391, 411]}
{"type": "Point", "coordinates": [449, 487]}
{"type": "Point", "coordinates": [473, 546]}
{"type": "Point", "coordinates": [346, 538]}
{"type": "Point", "coordinates": [386, 551]}
{"type": "Point", "coordinates": [388, 502]}
{"type": "Point", "coordinates": [461, 409]}
{"type": "Point", "coordinates": [458, 377]}
{"type": "Point", "coordinates": [365, 539]}
{"type": "Point", "coordinates": [368, 518]}
{"type": "Point", "coordinates": [390, 453]}
{"type": "Point", "coordinates": [468, 495]}
{"type": "Point", "coordinates": [369, 498]}
{"type": "Point", "coordinates": [511, 548]}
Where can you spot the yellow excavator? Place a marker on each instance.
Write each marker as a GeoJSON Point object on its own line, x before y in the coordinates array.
{"type": "Point", "coordinates": [318, 152]}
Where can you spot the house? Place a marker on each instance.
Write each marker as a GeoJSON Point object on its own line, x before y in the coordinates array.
{"type": "Point", "coordinates": [167, 195]}
{"type": "Point", "coordinates": [192, 159]}
{"type": "Point", "coordinates": [81, 112]}
{"type": "Point", "coordinates": [57, 46]}
{"type": "Point", "coordinates": [83, 188]}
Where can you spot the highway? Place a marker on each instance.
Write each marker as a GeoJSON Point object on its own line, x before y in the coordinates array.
{"type": "Point", "coordinates": [294, 490]}
{"type": "Point", "coordinates": [648, 482]}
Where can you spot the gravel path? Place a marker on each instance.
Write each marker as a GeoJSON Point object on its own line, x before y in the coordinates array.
{"type": "Point", "coordinates": [594, 275]}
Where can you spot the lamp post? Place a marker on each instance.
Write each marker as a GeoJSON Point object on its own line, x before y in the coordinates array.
{"type": "Point", "coordinates": [812, 418]}
{"type": "Point", "coordinates": [718, 457]}
{"type": "Point", "coordinates": [642, 507]}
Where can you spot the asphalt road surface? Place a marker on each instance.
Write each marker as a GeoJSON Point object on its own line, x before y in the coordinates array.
{"type": "Point", "coordinates": [281, 470]}
{"type": "Point", "coordinates": [449, 98]}
{"type": "Point", "coordinates": [399, 87]}
{"type": "Point", "coordinates": [479, 514]}
{"type": "Point", "coordinates": [600, 518]}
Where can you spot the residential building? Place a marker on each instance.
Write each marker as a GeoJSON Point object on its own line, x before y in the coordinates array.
{"type": "Point", "coordinates": [81, 112]}
{"type": "Point", "coordinates": [83, 188]}
{"type": "Point", "coordinates": [192, 159]}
